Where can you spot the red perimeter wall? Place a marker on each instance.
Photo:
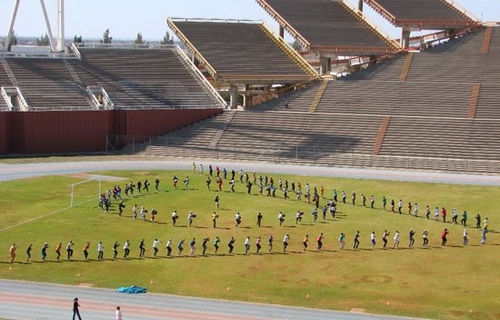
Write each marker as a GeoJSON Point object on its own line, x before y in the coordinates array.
{"type": "Point", "coordinates": [86, 131]}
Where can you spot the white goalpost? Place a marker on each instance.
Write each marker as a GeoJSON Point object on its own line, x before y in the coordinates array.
{"type": "Point", "coordinates": [84, 191]}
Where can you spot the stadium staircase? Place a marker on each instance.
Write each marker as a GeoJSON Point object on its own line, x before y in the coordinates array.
{"type": "Point", "coordinates": [476, 89]}
{"type": "Point", "coordinates": [406, 67]}
{"type": "Point", "coordinates": [290, 52]}
{"type": "Point", "coordinates": [93, 103]}
{"type": "Point", "coordinates": [227, 121]}
{"type": "Point", "coordinates": [487, 40]}
{"type": "Point", "coordinates": [318, 96]}
{"type": "Point", "coordinates": [10, 74]}
{"type": "Point", "coordinates": [381, 135]}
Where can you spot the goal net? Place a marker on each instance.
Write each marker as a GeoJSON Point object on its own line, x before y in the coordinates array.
{"type": "Point", "coordinates": [85, 191]}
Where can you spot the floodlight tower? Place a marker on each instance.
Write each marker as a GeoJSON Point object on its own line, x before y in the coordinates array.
{"type": "Point", "coordinates": [60, 25]}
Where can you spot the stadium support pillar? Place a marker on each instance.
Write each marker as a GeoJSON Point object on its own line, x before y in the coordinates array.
{"type": "Point", "coordinates": [282, 32]}
{"type": "Point", "coordinates": [233, 94]}
{"type": "Point", "coordinates": [60, 26]}
{"type": "Point", "coordinates": [360, 5]}
{"type": "Point", "coordinates": [325, 65]}
{"type": "Point", "coordinates": [405, 38]}
{"type": "Point", "coordinates": [11, 26]}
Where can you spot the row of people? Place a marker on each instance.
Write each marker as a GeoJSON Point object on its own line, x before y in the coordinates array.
{"type": "Point", "coordinates": [247, 244]}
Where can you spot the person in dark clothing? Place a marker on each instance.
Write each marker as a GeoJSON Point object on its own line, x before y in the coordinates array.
{"type": "Point", "coordinates": [259, 219]}
{"type": "Point", "coordinates": [76, 311]}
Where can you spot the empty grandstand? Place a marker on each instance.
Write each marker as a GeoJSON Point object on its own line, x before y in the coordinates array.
{"type": "Point", "coordinates": [435, 108]}
{"type": "Point", "coordinates": [412, 111]}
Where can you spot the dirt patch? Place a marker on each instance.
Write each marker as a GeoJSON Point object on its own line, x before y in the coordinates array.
{"type": "Point", "coordinates": [86, 285]}
{"type": "Point", "coordinates": [357, 310]}
{"type": "Point", "coordinates": [145, 173]}
{"type": "Point", "coordinates": [377, 279]}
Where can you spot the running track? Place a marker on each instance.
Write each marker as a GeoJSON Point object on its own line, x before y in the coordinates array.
{"type": "Point", "coordinates": [36, 301]}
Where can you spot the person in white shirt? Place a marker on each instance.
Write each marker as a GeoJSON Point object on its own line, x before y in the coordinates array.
{"type": "Point", "coordinates": [174, 217]}
{"type": "Point", "coordinates": [126, 249]}
{"type": "Point", "coordinates": [118, 314]}
{"type": "Point", "coordinates": [168, 246]}
{"type": "Point", "coordinates": [237, 218]}
{"type": "Point", "coordinates": [425, 239]}
{"type": "Point", "coordinates": [286, 238]}
{"type": "Point", "coordinates": [454, 218]}
{"type": "Point", "coordinates": [247, 245]}
{"type": "Point", "coordinates": [372, 238]}
{"type": "Point", "coordinates": [281, 218]}
{"type": "Point", "coordinates": [396, 239]}
{"type": "Point", "coordinates": [100, 251]}
{"type": "Point", "coordinates": [436, 214]}
{"type": "Point", "coordinates": [156, 242]}
{"type": "Point", "coordinates": [465, 236]}
{"type": "Point", "coordinates": [415, 210]}
{"type": "Point", "coordinates": [191, 216]}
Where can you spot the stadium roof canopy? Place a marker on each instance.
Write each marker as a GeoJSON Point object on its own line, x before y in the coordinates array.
{"type": "Point", "coordinates": [242, 52]}
{"type": "Point", "coordinates": [330, 26]}
{"type": "Point", "coordinates": [424, 14]}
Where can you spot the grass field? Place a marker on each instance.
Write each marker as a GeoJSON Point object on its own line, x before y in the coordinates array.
{"type": "Point", "coordinates": [452, 282]}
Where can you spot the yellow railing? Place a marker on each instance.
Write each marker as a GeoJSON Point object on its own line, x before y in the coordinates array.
{"type": "Point", "coordinates": [185, 40]}
{"type": "Point", "coordinates": [290, 51]}
{"type": "Point", "coordinates": [382, 34]}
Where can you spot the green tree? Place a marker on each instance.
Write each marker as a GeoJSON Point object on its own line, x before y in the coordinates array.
{"type": "Point", "coordinates": [43, 40]}
{"type": "Point", "coordinates": [13, 40]}
{"type": "Point", "coordinates": [78, 39]}
{"type": "Point", "coordinates": [106, 38]}
{"type": "Point", "coordinates": [138, 40]}
{"type": "Point", "coordinates": [167, 39]}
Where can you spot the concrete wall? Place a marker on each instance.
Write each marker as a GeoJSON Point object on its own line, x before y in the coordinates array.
{"type": "Point", "coordinates": [86, 131]}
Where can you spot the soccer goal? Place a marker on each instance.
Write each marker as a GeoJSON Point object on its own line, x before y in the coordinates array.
{"type": "Point", "coordinates": [85, 191]}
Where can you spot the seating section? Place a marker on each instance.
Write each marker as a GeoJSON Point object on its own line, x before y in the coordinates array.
{"type": "Point", "coordinates": [239, 49]}
{"type": "Point", "coordinates": [457, 59]}
{"type": "Point", "coordinates": [327, 23]}
{"type": "Point", "coordinates": [489, 96]}
{"type": "Point", "coordinates": [152, 77]}
{"type": "Point", "coordinates": [429, 125]}
{"type": "Point", "coordinates": [47, 84]}
{"type": "Point", "coordinates": [421, 10]}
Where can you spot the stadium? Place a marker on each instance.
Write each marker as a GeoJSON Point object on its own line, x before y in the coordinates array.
{"type": "Point", "coordinates": [345, 95]}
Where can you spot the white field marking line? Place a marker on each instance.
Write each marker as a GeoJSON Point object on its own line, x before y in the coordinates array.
{"type": "Point", "coordinates": [34, 219]}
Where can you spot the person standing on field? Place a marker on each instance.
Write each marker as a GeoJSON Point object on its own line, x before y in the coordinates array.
{"type": "Point", "coordinates": [118, 314]}
{"type": "Point", "coordinates": [319, 241]}
{"type": "Point", "coordinates": [12, 252]}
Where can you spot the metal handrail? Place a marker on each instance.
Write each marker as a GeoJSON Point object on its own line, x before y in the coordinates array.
{"type": "Point", "coordinates": [191, 47]}
{"type": "Point", "coordinates": [75, 50]}
{"type": "Point", "coordinates": [124, 45]}
{"type": "Point", "coordinates": [462, 10]}
{"type": "Point", "coordinates": [388, 38]}
{"type": "Point", "coordinates": [275, 15]}
{"type": "Point", "coordinates": [201, 77]}
{"type": "Point", "coordinates": [24, 104]}
{"type": "Point", "coordinates": [303, 62]}
{"type": "Point", "coordinates": [6, 97]}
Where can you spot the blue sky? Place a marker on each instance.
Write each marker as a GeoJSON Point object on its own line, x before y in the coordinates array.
{"type": "Point", "coordinates": [126, 18]}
